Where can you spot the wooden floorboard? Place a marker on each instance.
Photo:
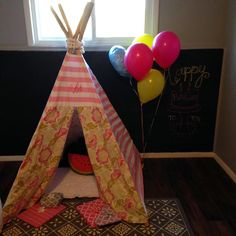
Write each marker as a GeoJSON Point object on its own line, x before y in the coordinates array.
{"type": "Point", "coordinates": [207, 194]}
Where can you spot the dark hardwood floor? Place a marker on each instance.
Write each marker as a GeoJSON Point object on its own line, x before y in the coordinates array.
{"type": "Point", "coordinates": [207, 194]}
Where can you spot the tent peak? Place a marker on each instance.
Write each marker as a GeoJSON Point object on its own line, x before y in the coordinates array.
{"type": "Point", "coordinates": [74, 45]}
{"type": "Point", "coordinates": [74, 40]}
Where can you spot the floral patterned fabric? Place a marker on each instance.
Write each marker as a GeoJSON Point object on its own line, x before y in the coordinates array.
{"type": "Point", "coordinates": [40, 162]}
{"type": "Point", "coordinates": [112, 172]}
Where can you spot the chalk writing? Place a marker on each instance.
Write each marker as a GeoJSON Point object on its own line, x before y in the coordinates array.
{"type": "Point", "coordinates": [184, 108]}
{"type": "Point", "coordinates": [183, 124]}
{"type": "Point", "coordinates": [192, 75]}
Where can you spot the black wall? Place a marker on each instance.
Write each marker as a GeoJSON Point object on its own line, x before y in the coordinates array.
{"type": "Point", "coordinates": [185, 120]}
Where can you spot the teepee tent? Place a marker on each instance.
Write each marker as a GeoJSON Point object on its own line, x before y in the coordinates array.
{"type": "Point", "coordinates": [114, 157]}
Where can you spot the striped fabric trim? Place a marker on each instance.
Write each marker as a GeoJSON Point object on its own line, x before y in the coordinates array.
{"type": "Point", "coordinates": [80, 84]}
{"type": "Point", "coordinates": [73, 74]}
{"type": "Point", "coordinates": [73, 89]}
{"type": "Point", "coordinates": [126, 144]}
{"type": "Point", "coordinates": [74, 58]}
{"type": "Point", "coordinates": [73, 67]}
{"type": "Point", "coordinates": [73, 100]}
{"type": "Point", "coordinates": [71, 79]}
{"type": "Point", "coordinates": [74, 86]}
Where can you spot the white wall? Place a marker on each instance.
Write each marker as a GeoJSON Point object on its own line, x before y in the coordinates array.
{"type": "Point", "coordinates": [225, 145]}
{"type": "Point", "coordinates": [198, 23]}
{"type": "Point", "coordinates": [12, 24]}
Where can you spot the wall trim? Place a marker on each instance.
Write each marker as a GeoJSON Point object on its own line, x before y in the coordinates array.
{"type": "Point", "coordinates": [213, 155]}
{"type": "Point", "coordinates": [225, 167]}
{"type": "Point", "coordinates": [178, 155]}
{"type": "Point", "coordinates": [144, 155]}
{"type": "Point", "coordinates": [11, 158]}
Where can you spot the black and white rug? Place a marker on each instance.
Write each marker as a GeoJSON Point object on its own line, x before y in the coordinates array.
{"type": "Point", "coordinates": [166, 218]}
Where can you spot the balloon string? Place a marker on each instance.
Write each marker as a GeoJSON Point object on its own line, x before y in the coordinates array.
{"type": "Point", "coordinates": [132, 86]}
{"type": "Point", "coordinates": [155, 113]}
{"type": "Point", "coordinates": [142, 132]}
{"type": "Point", "coordinates": [141, 120]}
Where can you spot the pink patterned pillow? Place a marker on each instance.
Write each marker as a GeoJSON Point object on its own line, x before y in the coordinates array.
{"type": "Point", "coordinates": [97, 213]}
{"type": "Point", "coordinates": [90, 210]}
{"type": "Point", "coordinates": [106, 216]}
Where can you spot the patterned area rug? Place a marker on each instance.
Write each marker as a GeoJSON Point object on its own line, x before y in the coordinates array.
{"type": "Point", "coordinates": [166, 218]}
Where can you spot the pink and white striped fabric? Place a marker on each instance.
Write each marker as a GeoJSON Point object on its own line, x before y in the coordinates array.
{"type": "Point", "coordinates": [73, 86]}
{"type": "Point", "coordinates": [123, 138]}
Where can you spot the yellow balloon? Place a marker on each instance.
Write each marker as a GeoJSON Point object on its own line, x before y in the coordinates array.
{"type": "Point", "coordinates": [151, 86]}
{"type": "Point", "coordinates": [145, 38]}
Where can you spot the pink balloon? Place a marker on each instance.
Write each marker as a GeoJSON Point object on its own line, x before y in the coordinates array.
{"type": "Point", "coordinates": [138, 60]}
{"type": "Point", "coordinates": [166, 48]}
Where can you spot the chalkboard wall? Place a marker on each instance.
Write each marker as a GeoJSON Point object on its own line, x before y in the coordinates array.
{"type": "Point", "coordinates": [185, 119]}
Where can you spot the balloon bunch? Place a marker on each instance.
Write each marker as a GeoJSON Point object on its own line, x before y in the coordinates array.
{"type": "Point", "coordinates": [137, 61]}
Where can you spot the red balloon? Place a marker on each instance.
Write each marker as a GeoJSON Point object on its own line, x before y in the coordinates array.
{"type": "Point", "coordinates": [138, 60]}
{"type": "Point", "coordinates": [166, 48]}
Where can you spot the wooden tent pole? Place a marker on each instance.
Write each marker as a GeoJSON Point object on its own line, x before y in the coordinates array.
{"type": "Point", "coordinates": [83, 21]}
{"type": "Point", "coordinates": [70, 34]}
{"type": "Point", "coordinates": [59, 22]}
{"type": "Point", "coordinates": [78, 35]}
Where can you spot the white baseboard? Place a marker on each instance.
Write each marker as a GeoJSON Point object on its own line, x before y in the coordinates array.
{"type": "Point", "coordinates": [144, 155]}
{"type": "Point", "coordinates": [178, 155]}
{"type": "Point", "coordinates": [225, 167]}
{"type": "Point", "coordinates": [11, 158]}
{"type": "Point", "coordinates": [219, 160]}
